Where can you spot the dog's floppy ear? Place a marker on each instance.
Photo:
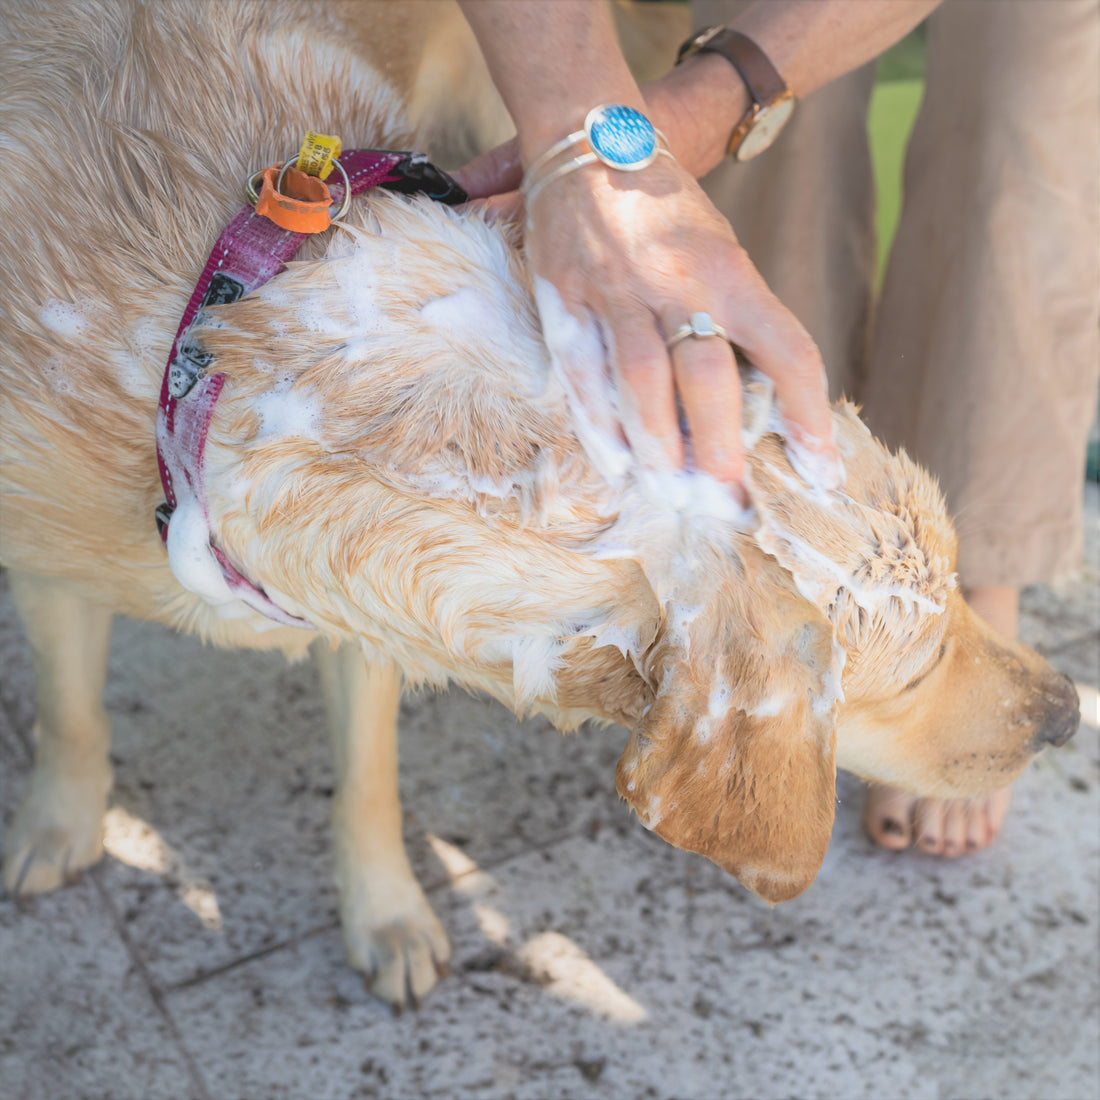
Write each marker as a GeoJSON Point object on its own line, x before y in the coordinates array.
{"type": "Point", "coordinates": [736, 757]}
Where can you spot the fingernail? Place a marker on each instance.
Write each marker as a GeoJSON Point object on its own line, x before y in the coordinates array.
{"type": "Point", "coordinates": [894, 828]}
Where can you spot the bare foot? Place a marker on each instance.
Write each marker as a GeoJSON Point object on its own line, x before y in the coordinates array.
{"type": "Point", "coordinates": [949, 827]}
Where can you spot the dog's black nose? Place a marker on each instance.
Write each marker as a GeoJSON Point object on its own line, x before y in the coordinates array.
{"type": "Point", "coordinates": [1061, 714]}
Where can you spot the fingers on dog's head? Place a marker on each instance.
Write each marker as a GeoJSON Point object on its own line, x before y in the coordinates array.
{"type": "Point", "coordinates": [710, 387]}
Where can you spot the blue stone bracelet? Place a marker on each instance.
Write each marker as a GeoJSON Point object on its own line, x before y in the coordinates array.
{"type": "Point", "coordinates": [616, 135]}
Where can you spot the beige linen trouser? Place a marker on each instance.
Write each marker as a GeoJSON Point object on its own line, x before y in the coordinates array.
{"type": "Point", "coordinates": [982, 354]}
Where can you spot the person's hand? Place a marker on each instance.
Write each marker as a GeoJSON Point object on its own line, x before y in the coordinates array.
{"type": "Point", "coordinates": [635, 255]}
{"type": "Point", "coordinates": [492, 180]}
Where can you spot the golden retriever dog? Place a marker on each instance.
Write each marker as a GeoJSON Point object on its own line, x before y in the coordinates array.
{"type": "Point", "coordinates": [393, 460]}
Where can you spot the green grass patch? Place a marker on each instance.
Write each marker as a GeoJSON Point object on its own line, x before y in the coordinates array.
{"type": "Point", "coordinates": [894, 106]}
{"type": "Point", "coordinates": [899, 85]}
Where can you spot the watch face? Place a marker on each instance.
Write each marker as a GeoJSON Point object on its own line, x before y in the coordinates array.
{"type": "Point", "coordinates": [621, 137]}
{"type": "Point", "coordinates": [765, 128]}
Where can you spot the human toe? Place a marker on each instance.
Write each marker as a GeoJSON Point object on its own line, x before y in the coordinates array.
{"type": "Point", "coordinates": [887, 817]}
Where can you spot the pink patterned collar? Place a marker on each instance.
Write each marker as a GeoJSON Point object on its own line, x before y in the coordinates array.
{"type": "Point", "coordinates": [250, 251]}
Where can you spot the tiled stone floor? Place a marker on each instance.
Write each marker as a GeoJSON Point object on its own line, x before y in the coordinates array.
{"type": "Point", "coordinates": [202, 958]}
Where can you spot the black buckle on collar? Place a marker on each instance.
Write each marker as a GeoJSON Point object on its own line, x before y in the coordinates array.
{"type": "Point", "coordinates": [162, 514]}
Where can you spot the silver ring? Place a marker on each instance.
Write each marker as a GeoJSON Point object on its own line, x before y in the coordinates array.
{"type": "Point", "coordinates": [699, 325]}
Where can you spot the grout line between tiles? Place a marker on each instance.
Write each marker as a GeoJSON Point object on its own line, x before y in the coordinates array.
{"type": "Point", "coordinates": [155, 993]}
{"type": "Point", "coordinates": [242, 960]}
{"type": "Point", "coordinates": [333, 926]}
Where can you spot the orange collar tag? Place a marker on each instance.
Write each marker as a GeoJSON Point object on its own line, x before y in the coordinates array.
{"type": "Point", "coordinates": [303, 206]}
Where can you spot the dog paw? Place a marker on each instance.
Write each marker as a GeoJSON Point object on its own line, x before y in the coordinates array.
{"type": "Point", "coordinates": [56, 833]}
{"type": "Point", "coordinates": [403, 962]}
{"type": "Point", "coordinates": [401, 949]}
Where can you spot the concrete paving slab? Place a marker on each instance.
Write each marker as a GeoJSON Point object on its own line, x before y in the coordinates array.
{"type": "Point", "coordinates": [615, 966]}
{"type": "Point", "coordinates": [77, 1017]}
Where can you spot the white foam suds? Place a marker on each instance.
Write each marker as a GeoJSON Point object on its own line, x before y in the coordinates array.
{"type": "Point", "coordinates": [761, 416]}
{"type": "Point", "coordinates": [771, 707]}
{"type": "Point", "coordinates": [288, 414]}
{"type": "Point", "coordinates": [817, 577]}
{"type": "Point", "coordinates": [720, 700]}
{"type": "Point", "coordinates": [580, 364]}
{"type": "Point", "coordinates": [140, 367]}
{"type": "Point", "coordinates": [719, 704]}
{"type": "Point", "coordinates": [666, 516]}
{"type": "Point", "coordinates": [704, 729]}
{"type": "Point", "coordinates": [190, 557]}
{"type": "Point", "coordinates": [820, 472]}
{"type": "Point", "coordinates": [71, 320]}
{"type": "Point", "coordinates": [149, 338]}
{"type": "Point", "coordinates": [670, 521]}
{"type": "Point", "coordinates": [678, 625]}
{"type": "Point", "coordinates": [356, 276]}
{"type": "Point", "coordinates": [470, 316]}
{"type": "Point", "coordinates": [693, 496]}
{"type": "Point", "coordinates": [308, 311]}
{"type": "Point", "coordinates": [55, 368]}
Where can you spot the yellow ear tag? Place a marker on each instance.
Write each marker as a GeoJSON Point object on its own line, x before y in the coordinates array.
{"type": "Point", "coordinates": [317, 153]}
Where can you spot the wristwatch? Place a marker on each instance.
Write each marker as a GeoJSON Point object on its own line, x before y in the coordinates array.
{"type": "Point", "coordinates": [772, 101]}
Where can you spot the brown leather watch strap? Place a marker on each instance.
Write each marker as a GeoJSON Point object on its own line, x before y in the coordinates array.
{"type": "Point", "coordinates": [759, 74]}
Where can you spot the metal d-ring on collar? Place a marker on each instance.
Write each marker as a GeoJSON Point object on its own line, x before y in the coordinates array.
{"type": "Point", "coordinates": [253, 194]}
{"type": "Point", "coordinates": [618, 136]}
{"type": "Point", "coordinates": [699, 325]}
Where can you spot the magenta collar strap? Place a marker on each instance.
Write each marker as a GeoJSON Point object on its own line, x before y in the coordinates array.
{"type": "Point", "coordinates": [250, 251]}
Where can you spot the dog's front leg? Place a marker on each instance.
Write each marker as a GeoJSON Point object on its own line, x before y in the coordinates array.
{"type": "Point", "coordinates": [58, 828]}
{"type": "Point", "coordinates": [390, 931]}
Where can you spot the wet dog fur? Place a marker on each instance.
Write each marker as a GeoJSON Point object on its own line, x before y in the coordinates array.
{"type": "Point", "coordinates": [394, 458]}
